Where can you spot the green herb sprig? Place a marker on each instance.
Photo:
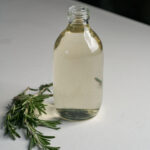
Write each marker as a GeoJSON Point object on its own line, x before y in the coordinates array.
{"type": "Point", "coordinates": [98, 80]}
{"type": "Point", "coordinates": [21, 115]}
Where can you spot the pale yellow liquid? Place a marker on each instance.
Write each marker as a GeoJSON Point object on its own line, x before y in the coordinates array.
{"type": "Point", "coordinates": [78, 59]}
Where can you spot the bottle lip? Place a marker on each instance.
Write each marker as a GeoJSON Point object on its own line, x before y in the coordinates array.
{"type": "Point", "coordinates": [78, 12]}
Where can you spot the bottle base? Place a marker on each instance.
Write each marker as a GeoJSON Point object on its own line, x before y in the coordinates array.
{"type": "Point", "coordinates": [77, 114]}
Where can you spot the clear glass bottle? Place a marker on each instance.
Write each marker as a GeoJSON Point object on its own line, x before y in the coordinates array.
{"type": "Point", "coordinates": [78, 59]}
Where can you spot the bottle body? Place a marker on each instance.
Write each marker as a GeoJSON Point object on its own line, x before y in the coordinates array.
{"type": "Point", "coordinates": [78, 59]}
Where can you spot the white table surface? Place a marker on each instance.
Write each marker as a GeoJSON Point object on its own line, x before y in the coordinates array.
{"type": "Point", "coordinates": [28, 30]}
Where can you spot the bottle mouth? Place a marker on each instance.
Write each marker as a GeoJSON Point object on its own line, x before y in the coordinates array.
{"type": "Point", "coordinates": [78, 12]}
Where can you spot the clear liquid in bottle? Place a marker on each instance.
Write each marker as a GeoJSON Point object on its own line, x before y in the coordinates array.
{"type": "Point", "coordinates": [78, 59]}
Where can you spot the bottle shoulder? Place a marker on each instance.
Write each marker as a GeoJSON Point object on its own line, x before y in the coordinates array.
{"type": "Point", "coordinates": [87, 39]}
{"type": "Point", "coordinates": [59, 38]}
{"type": "Point", "coordinates": [96, 37]}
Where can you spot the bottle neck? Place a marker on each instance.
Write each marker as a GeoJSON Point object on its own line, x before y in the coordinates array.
{"type": "Point", "coordinates": [78, 18]}
{"type": "Point", "coordinates": [79, 21]}
{"type": "Point", "coordinates": [77, 26]}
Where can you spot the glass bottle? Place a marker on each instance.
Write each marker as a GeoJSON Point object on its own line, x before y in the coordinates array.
{"type": "Point", "coordinates": [78, 60]}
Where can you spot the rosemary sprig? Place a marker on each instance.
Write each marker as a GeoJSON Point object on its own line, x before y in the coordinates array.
{"type": "Point", "coordinates": [21, 115]}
